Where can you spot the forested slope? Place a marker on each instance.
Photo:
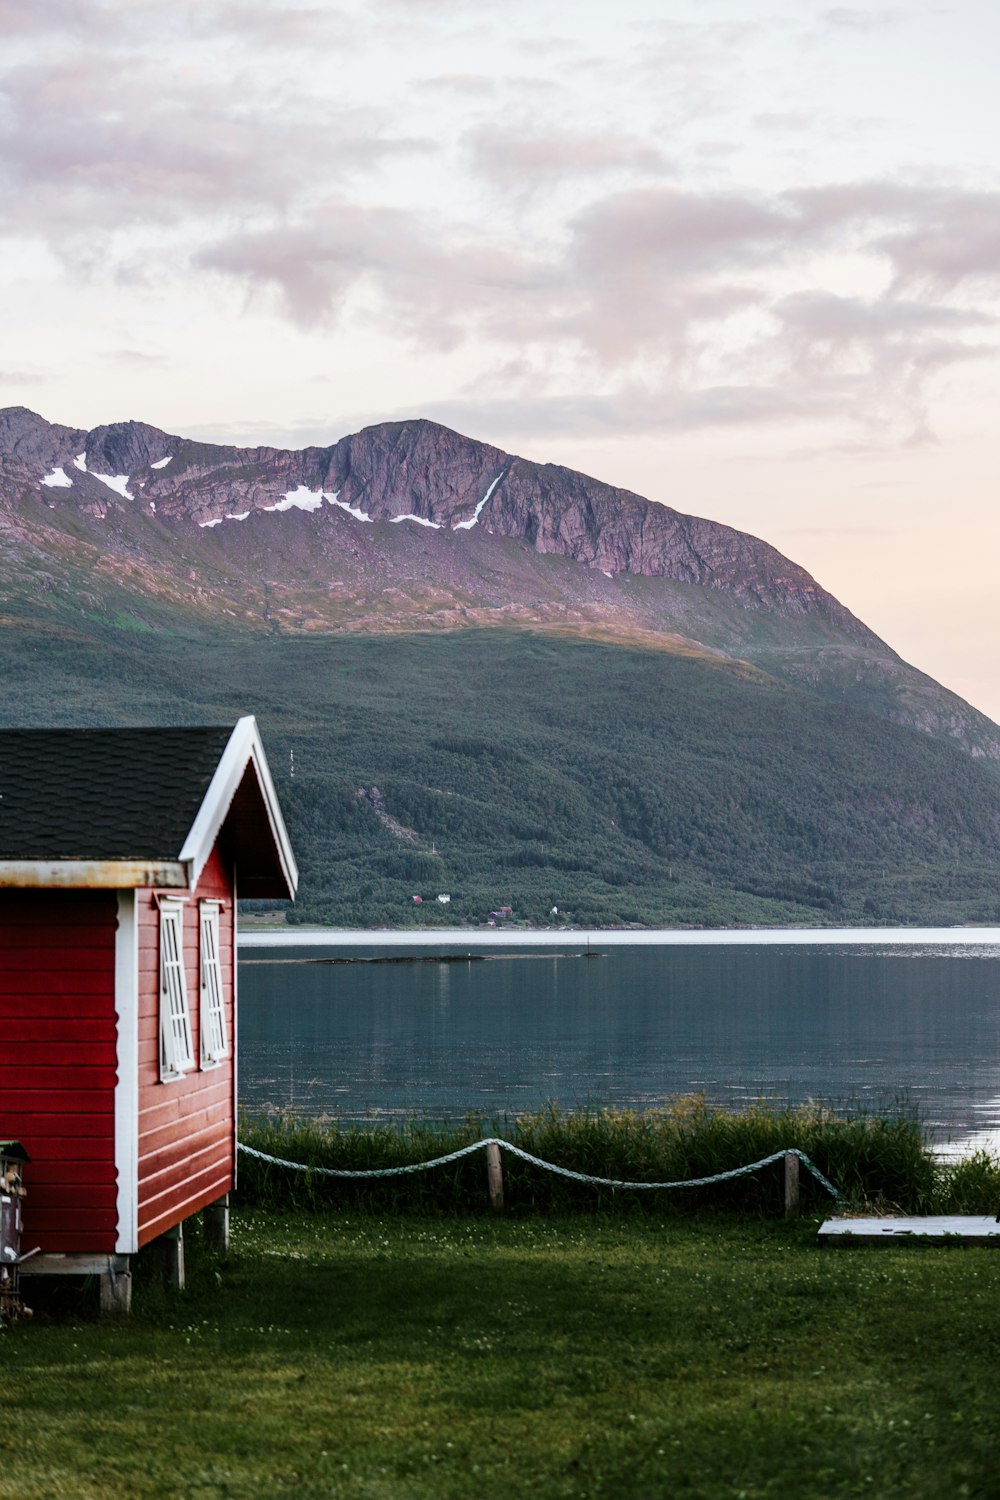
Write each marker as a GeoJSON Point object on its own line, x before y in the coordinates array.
{"type": "Point", "coordinates": [531, 770]}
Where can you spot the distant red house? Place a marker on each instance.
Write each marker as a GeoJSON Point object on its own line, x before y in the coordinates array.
{"type": "Point", "coordinates": [122, 852]}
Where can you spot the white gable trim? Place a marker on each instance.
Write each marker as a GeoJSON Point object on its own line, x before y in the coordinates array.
{"type": "Point", "coordinates": [244, 748]}
{"type": "Point", "coordinates": [127, 1086]}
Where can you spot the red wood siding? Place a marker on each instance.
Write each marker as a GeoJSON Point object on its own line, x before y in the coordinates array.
{"type": "Point", "coordinates": [58, 1061]}
{"type": "Point", "coordinates": [186, 1126]}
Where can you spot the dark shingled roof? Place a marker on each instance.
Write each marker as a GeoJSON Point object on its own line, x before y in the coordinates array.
{"type": "Point", "coordinates": [103, 793]}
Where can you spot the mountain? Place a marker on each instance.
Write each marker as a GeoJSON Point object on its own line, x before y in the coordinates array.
{"type": "Point", "coordinates": [562, 694]}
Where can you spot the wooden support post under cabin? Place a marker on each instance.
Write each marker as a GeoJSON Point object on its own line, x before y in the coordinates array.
{"type": "Point", "coordinates": [172, 1240]}
{"type": "Point", "coordinates": [216, 1221]}
{"type": "Point", "coordinates": [494, 1175]}
{"type": "Point", "coordinates": [116, 1287]}
{"type": "Point", "coordinates": [791, 1185]}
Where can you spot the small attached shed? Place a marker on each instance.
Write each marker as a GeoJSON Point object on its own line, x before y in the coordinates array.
{"type": "Point", "coordinates": [122, 853]}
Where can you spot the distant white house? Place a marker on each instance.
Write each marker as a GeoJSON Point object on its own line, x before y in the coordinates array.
{"type": "Point", "coordinates": [444, 900]}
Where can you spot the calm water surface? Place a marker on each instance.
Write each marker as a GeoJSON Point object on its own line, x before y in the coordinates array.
{"type": "Point", "coordinates": [734, 1016]}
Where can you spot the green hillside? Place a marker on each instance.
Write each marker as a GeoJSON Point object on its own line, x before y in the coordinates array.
{"type": "Point", "coordinates": [619, 784]}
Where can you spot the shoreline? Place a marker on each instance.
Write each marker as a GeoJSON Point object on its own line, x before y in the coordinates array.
{"type": "Point", "coordinates": [456, 938]}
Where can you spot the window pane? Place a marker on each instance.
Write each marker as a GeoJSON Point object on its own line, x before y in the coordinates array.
{"type": "Point", "coordinates": [176, 1051]}
{"type": "Point", "coordinates": [213, 1015]}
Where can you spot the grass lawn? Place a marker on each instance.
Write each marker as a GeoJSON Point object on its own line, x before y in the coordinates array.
{"type": "Point", "coordinates": [446, 1356]}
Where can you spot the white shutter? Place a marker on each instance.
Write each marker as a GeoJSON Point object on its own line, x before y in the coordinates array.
{"type": "Point", "coordinates": [214, 1046]}
{"type": "Point", "coordinates": [176, 1051]}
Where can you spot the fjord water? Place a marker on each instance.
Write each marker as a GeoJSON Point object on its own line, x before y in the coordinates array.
{"type": "Point", "coordinates": [504, 1022]}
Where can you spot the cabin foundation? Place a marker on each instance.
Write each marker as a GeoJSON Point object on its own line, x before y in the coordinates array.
{"type": "Point", "coordinates": [114, 1274]}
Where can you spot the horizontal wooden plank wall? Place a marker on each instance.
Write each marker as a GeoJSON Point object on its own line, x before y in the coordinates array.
{"type": "Point", "coordinates": [58, 1061]}
{"type": "Point", "coordinates": [186, 1144]}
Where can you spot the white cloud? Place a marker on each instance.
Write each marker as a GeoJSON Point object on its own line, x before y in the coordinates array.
{"type": "Point", "coordinates": [26, 18]}
{"type": "Point", "coordinates": [134, 138]}
{"type": "Point", "coordinates": [193, 137]}
{"type": "Point", "coordinates": [630, 412]}
{"type": "Point", "coordinates": [851, 18]}
{"type": "Point", "coordinates": [530, 161]}
{"type": "Point", "coordinates": [707, 300]}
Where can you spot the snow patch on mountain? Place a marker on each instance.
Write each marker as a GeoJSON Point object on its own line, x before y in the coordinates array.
{"type": "Point", "coordinates": [161, 463]}
{"type": "Point", "coordinates": [298, 499]}
{"type": "Point", "coordinates": [80, 462]}
{"type": "Point", "coordinates": [58, 480]}
{"type": "Point", "coordinates": [352, 510]}
{"type": "Point", "coordinates": [474, 518]}
{"type": "Point", "coordinates": [420, 520]}
{"type": "Point", "coordinates": [116, 482]}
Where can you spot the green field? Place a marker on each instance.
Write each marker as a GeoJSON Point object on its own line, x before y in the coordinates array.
{"type": "Point", "coordinates": [404, 1356]}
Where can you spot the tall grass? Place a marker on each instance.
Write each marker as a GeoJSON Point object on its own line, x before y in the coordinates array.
{"type": "Point", "coordinates": [970, 1186]}
{"type": "Point", "coordinates": [873, 1159]}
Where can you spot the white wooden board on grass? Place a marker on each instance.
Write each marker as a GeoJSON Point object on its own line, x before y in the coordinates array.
{"type": "Point", "coordinates": [972, 1228]}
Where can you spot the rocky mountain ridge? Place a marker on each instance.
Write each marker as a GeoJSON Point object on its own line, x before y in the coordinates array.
{"type": "Point", "coordinates": [417, 472]}
{"type": "Point", "coordinates": [410, 526]}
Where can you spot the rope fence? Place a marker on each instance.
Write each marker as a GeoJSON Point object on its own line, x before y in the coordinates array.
{"type": "Point", "coordinates": [493, 1145]}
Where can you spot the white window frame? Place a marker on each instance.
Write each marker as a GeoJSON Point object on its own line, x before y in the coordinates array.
{"type": "Point", "coordinates": [176, 1048]}
{"type": "Point", "coordinates": [214, 1042]}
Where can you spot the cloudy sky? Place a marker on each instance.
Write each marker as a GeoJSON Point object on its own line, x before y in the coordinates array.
{"type": "Point", "coordinates": [744, 259]}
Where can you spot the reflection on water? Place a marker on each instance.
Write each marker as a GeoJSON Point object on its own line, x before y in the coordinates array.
{"type": "Point", "coordinates": [986, 1137]}
{"type": "Point", "coordinates": [735, 1021]}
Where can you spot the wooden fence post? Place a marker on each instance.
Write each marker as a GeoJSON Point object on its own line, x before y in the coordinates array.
{"type": "Point", "coordinates": [494, 1175]}
{"type": "Point", "coordinates": [791, 1185]}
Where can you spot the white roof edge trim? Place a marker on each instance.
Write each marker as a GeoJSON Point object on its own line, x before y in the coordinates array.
{"type": "Point", "coordinates": [244, 748]}
{"type": "Point", "coordinates": [92, 874]}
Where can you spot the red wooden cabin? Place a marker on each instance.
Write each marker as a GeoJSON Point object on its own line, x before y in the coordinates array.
{"type": "Point", "coordinates": [122, 852]}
